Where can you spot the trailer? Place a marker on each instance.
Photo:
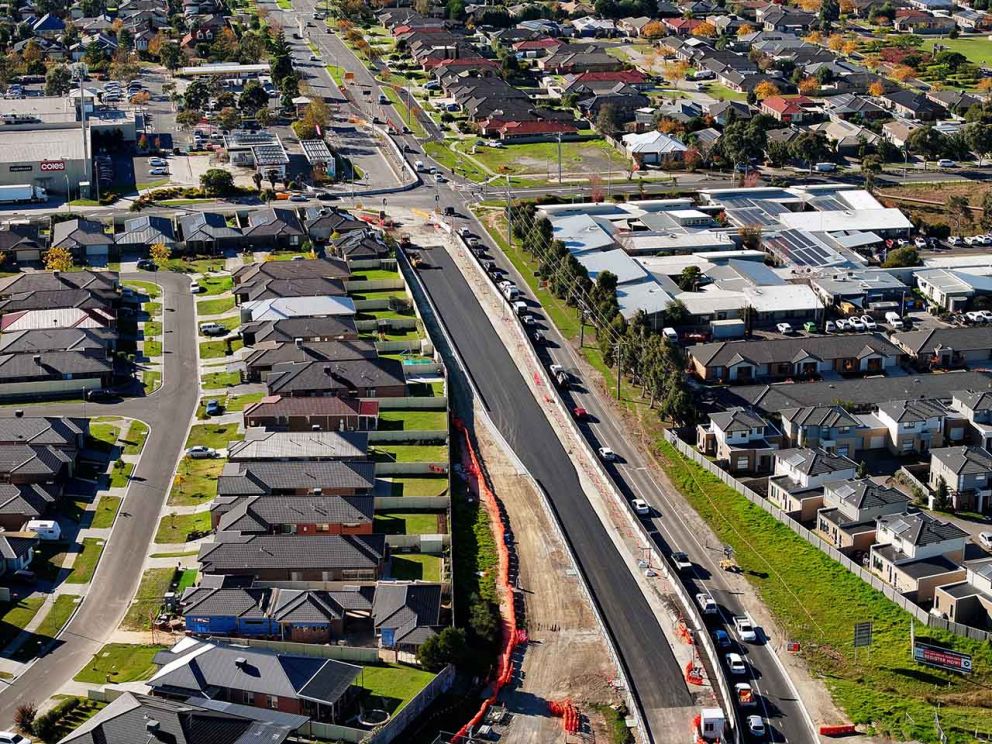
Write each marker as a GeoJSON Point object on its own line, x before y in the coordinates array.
{"type": "Point", "coordinates": [22, 193]}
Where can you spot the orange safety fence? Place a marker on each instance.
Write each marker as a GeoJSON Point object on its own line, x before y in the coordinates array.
{"type": "Point", "coordinates": [693, 674]}
{"type": "Point", "coordinates": [511, 635]}
{"type": "Point", "coordinates": [568, 714]}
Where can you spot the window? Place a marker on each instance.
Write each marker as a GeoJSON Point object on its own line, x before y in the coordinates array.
{"type": "Point", "coordinates": [273, 702]}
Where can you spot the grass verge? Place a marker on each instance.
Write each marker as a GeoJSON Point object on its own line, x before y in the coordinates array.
{"type": "Point", "coordinates": [48, 628]}
{"type": "Point", "coordinates": [215, 307]}
{"type": "Point", "coordinates": [217, 436]}
{"type": "Point", "coordinates": [147, 602]}
{"type": "Point", "coordinates": [178, 528]}
{"type": "Point", "coordinates": [137, 433]}
{"type": "Point", "coordinates": [195, 482]}
{"type": "Point", "coordinates": [86, 560]}
{"type": "Point", "coordinates": [106, 510]}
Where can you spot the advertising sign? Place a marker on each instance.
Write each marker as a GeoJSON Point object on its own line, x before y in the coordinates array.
{"type": "Point", "coordinates": [942, 658]}
{"type": "Point", "coordinates": [862, 635]}
{"type": "Point", "coordinates": [52, 165]}
{"type": "Point", "coordinates": [21, 168]}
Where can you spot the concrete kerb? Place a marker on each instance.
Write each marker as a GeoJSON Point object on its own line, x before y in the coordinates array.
{"type": "Point", "coordinates": [633, 703]}
{"type": "Point", "coordinates": [657, 561]}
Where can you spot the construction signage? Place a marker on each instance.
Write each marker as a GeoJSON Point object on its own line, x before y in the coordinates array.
{"type": "Point", "coordinates": [942, 658]}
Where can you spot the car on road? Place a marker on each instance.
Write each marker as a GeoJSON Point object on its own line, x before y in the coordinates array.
{"type": "Point", "coordinates": [946, 163]}
{"type": "Point", "coordinates": [607, 455]}
{"type": "Point", "coordinates": [201, 452]}
{"type": "Point", "coordinates": [954, 240]}
{"type": "Point", "coordinates": [680, 560]}
{"type": "Point", "coordinates": [213, 329]}
{"type": "Point", "coordinates": [745, 628]}
{"type": "Point", "coordinates": [196, 288]}
{"type": "Point", "coordinates": [706, 603]}
{"type": "Point", "coordinates": [9, 737]}
{"type": "Point", "coordinates": [160, 162]}
{"type": "Point", "coordinates": [213, 408]}
{"type": "Point", "coordinates": [298, 198]}
{"type": "Point", "coordinates": [721, 638]}
{"type": "Point", "coordinates": [438, 178]}
{"type": "Point", "coordinates": [784, 328]}
{"type": "Point", "coordinates": [756, 726]}
{"type": "Point", "coordinates": [641, 507]}
{"type": "Point", "coordinates": [383, 99]}
{"type": "Point", "coordinates": [101, 395]}
{"type": "Point", "coordinates": [735, 663]}
{"type": "Point", "coordinates": [464, 232]}
{"type": "Point", "coordinates": [146, 264]}
{"type": "Point", "coordinates": [314, 58]}
{"type": "Point", "coordinates": [579, 413]}
{"type": "Point", "coordinates": [985, 540]}
{"type": "Point", "coordinates": [158, 171]}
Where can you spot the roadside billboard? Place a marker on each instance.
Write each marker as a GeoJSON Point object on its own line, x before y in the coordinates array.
{"type": "Point", "coordinates": [941, 658]}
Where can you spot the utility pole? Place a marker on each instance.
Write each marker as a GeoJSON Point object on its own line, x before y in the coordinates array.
{"type": "Point", "coordinates": [509, 216]}
{"type": "Point", "coordinates": [619, 357]}
{"type": "Point", "coordinates": [559, 158]}
{"type": "Point", "coordinates": [609, 172]}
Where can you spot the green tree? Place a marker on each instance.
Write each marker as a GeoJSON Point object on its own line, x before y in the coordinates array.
{"type": "Point", "coordinates": [986, 219]}
{"type": "Point", "coordinates": [978, 137]}
{"type": "Point", "coordinates": [862, 471]}
{"type": "Point", "coordinates": [171, 56]}
{"type": "Point", "coordinates": [689, 279]}
{"type": "Point", "coordinates": [742, 141]}
{"type": "Point", "coordinates": [483, 619]}
{"type": "Point", "coordinates": [58, 80]}
{"type": "Point", "coordinates": [447, 647]}
{"type": "Point", "coordinates": [902, 257]}
{"type": "Point", "coordinates": [941, 495]}
{"type": "Point", "coordinates": [926, 142]}
{"type": "Point", "coordinates": [252, 98]}
{"type": "Point", "coordinates": [959, 211]}
{"type": "Point", "coordinates": [810, 148]}
{"type": "Point", "coordinates": [871, 166]}
{"type": "Point", "coordinates": [217, 182]}
{"type": "Point", "coordinates": [608, 119]}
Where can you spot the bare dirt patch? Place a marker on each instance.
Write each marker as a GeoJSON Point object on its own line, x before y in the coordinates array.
{"type": "Point", "coordinates": [567, 655]}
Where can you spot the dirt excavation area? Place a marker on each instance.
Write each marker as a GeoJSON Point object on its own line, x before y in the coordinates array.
{"type": "Point", "coordinates": [566, 656]}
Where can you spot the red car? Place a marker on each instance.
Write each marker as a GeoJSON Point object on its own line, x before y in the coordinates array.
{"type": "Point", "coordinates": [580, 414]}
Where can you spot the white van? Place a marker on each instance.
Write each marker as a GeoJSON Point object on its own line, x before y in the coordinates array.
{"type": "Point", "coordinates": [825, 167]}
{"type": "Point", "coordinates": [670, 335]}
{"type": "Point", "coordinates": [511, 292]}
{"type": "Point", "coordinates": [47, 529]}
{"type": "Point", "coordinates": [893, 319]}
{"type": "Point", "coordinates": [520, 308]}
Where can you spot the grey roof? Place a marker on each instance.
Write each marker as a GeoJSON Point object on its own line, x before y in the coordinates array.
{"type": "Point", "coordinates": [263, 478]}
{"type": "Point", "coordinates": [975, 400]}
{"type": "Point", "coordinates": [235, 601]}
{"type": "Point", "coordinates": [345, 375]}
{"type": "Point", "coordinates": [277, 405]}
{"type": "Point", "coordinates": [140, 719]}
{"type": "Point", "coordinates": [411, 610]}
{"type": "Point", "coordinates": [33, 460]}
{"type": "Point", "coordinates": [202, 665]}
{"type": "Point", "coordinates": [79, 233]}
{"type": "Point", "coordinates": [28, 501]}
{"type": "Point", "coordinates": [56, 339]}
{"type": "Point", "coordinates": [260, 444]}
{"type": "Point", "coordinates": [361, 244]}
{"type": "Point", "coordinates": [309, 286]}
{"type": "Point", "coordinates": [913, 411]}
{"type": "Point", "coordinates": [57, 431]}
{"type": "Point", "coordinates": [52, 365]}
{"type": "Point", "coordinates": [306, 606]}
{"type": "Point", "coordinates": [814, 461]}
{"type": "Point", "coordinates": [233, 552]}
{"type": "Point", "coordinates": [918, 528]}
{"type": "Point", "coordinates": [864, 493]}
{"type": "Point", "coordinates": [964, 460]}
{"type": "Point", "coordinates": [737, 419]}
{"type": "Point", "coordinates": [769, 351]}
{"type": "Point", "coordinates": [333, 220]}
{"type": "Point", "coordinates": [207, 227]}
{"type": "Point", "coordinates": [285, 331]}
{"type": "Point", "coordinates": [826, 416]}
{"type": "Point", "coordinates": [147, 229]}
{"type": "Point", "coordinates": [15, 545]}
{"type": "Point", "coordinates": [935, 565]}
{"type": "Point", "coordinates": [309, 351]}
{"type": "Point", "coordinates": [99, 282]}
{"type": "Point", "coordinates": [959, 339]}
{"type": "Point", "coordinates": [273, 222]}
{"type": "Point", "coordinates": [328, 267]}
{"type": "Point", "coordinates": [859, 392]}
{"type": "Point", "coordinates": [260, 514]}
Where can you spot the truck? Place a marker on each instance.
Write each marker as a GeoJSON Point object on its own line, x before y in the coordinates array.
{"type": "Point", "coordinates": [745, 695]}
{"type": "Point", "coordinates": [22, 193]}
{"type": "Point", "coordinates": [724, 329]}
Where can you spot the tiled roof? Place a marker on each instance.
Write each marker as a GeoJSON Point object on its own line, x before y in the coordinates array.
{"type": "Point", "coordinates": [235, 552]}
{"type": "Point", "coordinates": [921, 529]}
{"type": "Point", "coordinates": [262, 478]}
{"type": "Point", "coordinates": [769, 351]}
{"type": "Point", "coordinates": [964, 460]}
{"type": "Point", "coordinates": [261, 514]}
{"type": "Point", "coordinates": [814, 461]}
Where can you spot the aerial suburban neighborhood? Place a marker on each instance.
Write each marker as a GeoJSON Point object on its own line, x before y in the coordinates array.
{"type": "Point", "coordinates": [445, 373]}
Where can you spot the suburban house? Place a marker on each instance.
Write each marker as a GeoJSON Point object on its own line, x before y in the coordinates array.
{"type": "Point", "coordinates": [145, 231]}
{"type": "Point", "coordinates": [53, 374]}
{"type": "Point", "coordinates": [742, 439]}
{"type": "Point", "coordinates": [287, 478]}
{"type": "Point", "coordinates": [259, 363]}
{"type": "Point", "coordinates": [274, 229]}
{"type": "Point", "coordinates": [361, 245]}
{"type": "Point", "coordinates": [800, 474]}
{"type": "Point", "coordinates": [61, 432]}
{"type": "Point", "coordinates": [311, 286]}
{"type": "Point", "coordinates": [294, 515]}
{"type": "Point", "coordinates": [311, 557]}
{"type": "Point", "coordinates": [967, 471]}
{"type": "Point", "coordinates": [16, 551]}
{"type": "Point", "coordinates": [88, 240]}
{"type": "Point", "coordinates": [937, 348]}
{"type": "Point", "coordinates": [312, 686]}
{"type": "Point", "coordinates": [288, 330]}
{"type": "Point", "coordinates": [155, 720]}
{"type": "Point", "coordinates": [968, 601]}
{"type": "Point", "coordinates": [322, 223]}
{"type": "Point", "coordinates": [309, 446]}
{"type": "Point", "coordinates": [976, 407]}
{"type": "Point", "coordinates": [916, 553]}
{"type": "Point", "coordinates": [953, 290]}
{"type": "Point", "coordinates": [405, 614]}
{"type": "Point", "coordinates": [331, 268]}
{"type": "Point", "coordinates": [207, 232]}
{"type": "Point", "coordinates": [789, 110]}
{"type": "Point", "coordinates": [310, 414]}
{"type": "Point", "coordinates": [354, 378]}
{"type": "Point", "coordinates": [744, 361]}
{"type": "Point", "coordinates": [916, 425]}
{"type": "Point", "coordinates": [22, 243]}
{"type": "Point", "coordinates": [847, 519]}
{"type": "Point", "coordinates": [20, 503]}
{"type": "Point", "coordinates": [911, 105]}
{"type": "Point", "coordinates": [653, 148]}
{"type": "Point", "coordinates": [831, 428]}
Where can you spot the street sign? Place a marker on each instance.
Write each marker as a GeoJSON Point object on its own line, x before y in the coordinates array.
{"type": "Point", "coordinates": [942, 658]}
{"type": "Point", "coordinates": [862, 635]}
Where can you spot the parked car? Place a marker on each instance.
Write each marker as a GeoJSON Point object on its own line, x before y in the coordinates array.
{"type": "Point", "coordinates": [946, 163]}
{"type": "Point", "coordinates": [213, 329]}
{"type": "Point", "coordinates": [974, 316]}
{"type": "Point", "coordinates": [298, 198]}
{"type": "Point", "coordinates": [784, 328]}
{"type": "Point", "coordinates": [214, 408]}
{"type": "Point", "coordinates": [146, 264]}
{"type": "Point", "coordinates": [706, 603]}
{"type": "Point", "coordinates": [856, 324]}
{"type": "Point", "coordinates": [830, 327]}
{"type": "Point", "coordinates": [735, 663]}
{"type": "Point", "coordinates": [158, 172]}
{"type": "Point", "coordinates": [200, 452]}
{"type": "Point", "coordinates": [809, 326]}
{"type": "Point", "coordinates": [869, 322]}
{"type": "Point", "coordinates": [9, 737]}
{"type": "Point", "coordinates": [680, 560]}
{"type": "Point", "coordinates": [161, 162]}
{"type": "Point", "coordinates": [641, 507]}
{"type": "Point", "coordinates": [920, 243]}
{"type": "Point", "coordinates": [954, 240]}
{"type": "Point", "coordinates": [101, 395]}
{"type": "Point", "coordinates": [985, 540]}
{"type": "Point", "coordinates": [438, 178]}
{"type": "Point", "coordinates": [607, 455]}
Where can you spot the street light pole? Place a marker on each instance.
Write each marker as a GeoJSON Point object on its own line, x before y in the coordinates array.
{"type": "Point", "coordinates": [559, 158]}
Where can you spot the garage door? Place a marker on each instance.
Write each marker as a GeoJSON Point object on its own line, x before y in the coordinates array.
{"type": "Point", "coordinates": [876, 443]}
{"type": "Point", "coordinates": [97, 251]}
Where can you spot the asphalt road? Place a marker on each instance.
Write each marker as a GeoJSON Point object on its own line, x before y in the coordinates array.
{"type": "Point", "coordinates": [167, 412]}
{"type": "Point", "coordinates": [642, 645]}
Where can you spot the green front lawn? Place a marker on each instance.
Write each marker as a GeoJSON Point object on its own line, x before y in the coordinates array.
{"type": "Point", "coordinates": [106, 510]}
{"type": "Point", "coordinates": [103, 436]}
{"type": "Point", "coordinates": [393, 686]}
{"type": "Point", "coordinates": [137, 433]}
{"type": "Point", "coordinates": [186, 265]}
{"type": "Point", "coordinates": [215, 307]}
{"type": "Point", "coordinates": [118, 663]}
{"type": "Point", "coordinates": [151, 380]}
{"type": "Point", "coordinates": [48, 628]}
{"type": "Point", "coordinates": [152, 329]}
{"type": "Point", "coordinates": [215, 284]}
{"type": "Point", "coordinates": [187, 579]}
{"type": "Point", "coordinates": [147, 602]}
{"type": "Point", "coordinates": [412, 419]}
{"type": "Point", "coordinates": [152, 348]}
{"type": "Point", "coordinates": [220, 348]}
{"type": "Point", "coordinates": [15, 616]}
{"type": "Point", "coordinates": [230, 323]}
{"type": "Point", "coordinates": [406, 523]}
{"type": "Point", "coordinates": [196, 482]}
{"type": "Point", "coordinates": [416, 566]}
{"type": "Point", "coordinates": [218, 380]}
{"type": "Point", "coordinates": [86, 560]}
{"type": "Point", "coordinates": [427, 485]}
{"type": "Point", "coordinates": [816, 601]}
{"type": "Point", "coordinates": [120, 474]}
{"type": "Point", "coordinates": [722, 92]}
{"type": "Point", "coordinates": [178, 528]}
{"type": "Point", "coordinates": [411, 453]}
{"type": "Point", "coordinates": [152, 290]}
{"type": "Point", "coordinates": [217, 436]}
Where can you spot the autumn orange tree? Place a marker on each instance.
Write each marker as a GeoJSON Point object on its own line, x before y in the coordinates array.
{"type": "Point", "coordinates": [704, 29]}
{"type": "Point", "coordinates": [744, 30]}
{"type": "Point", "coordinates": [808, 86]}
{"type": "Point", "coordinates": [878, 88]}
{"type": "Point", "coordinates": [58, 258]}
{"type": "Point", "coordinates": [903, 72]}
{"type": "Point", "coordinates": [653, 30]}
{"type": "Point", "coordinates": [765, 89]}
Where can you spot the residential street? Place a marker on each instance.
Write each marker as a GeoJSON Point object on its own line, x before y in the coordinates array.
{"type": "Point", "coordinates": [167, 412]}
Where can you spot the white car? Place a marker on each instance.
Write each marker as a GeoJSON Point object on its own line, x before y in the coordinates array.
{"type": "Point", "coordinates": [745, 628]}
{"type": "Point", "coordinates": [969, 239]}
{"type": "Point", "coordinates": [756, 726]}
{"type": "Point", "coordinates": [735, 663]}
{"type": "Point", "coordinates": [920, 243]}
{"type": "Point", "coordinates": [842, 325]}
{"type": "Point", "coordinates": [856, 324]}
{"type": "Point", "coordinates": [975, 316]}
{"type": "Point", "coordinates": [158, 171]}
{"type": "Point", "coordinates": [680, 560]}
{"type": "Point", "coordinates": [9, 737]}
{"type": "Point", "coordinates": [641, 507]}
{"type": "Point", "coordinates": [213, 329]}
{"type": "Point", "coordinates": [830, 327]}
{"type": "Point", "coordinates": [438, 178]}
{"type": "Point", "coordinates": [201, 452]}
{"type": "Point", "coordinates": [706, 603]}
{"type": "Point", "coordinates": [784, 328]}
{"type": "Point", "coordinates": [606, 454]}
{"type": "Point", "coordinates": [946, 163]}
{"type": "Point", "coordinates": [869, 322]}
{"type": "Point", "coordinates": [987, 314]}
{"type": "Point", "coordinates": [985, 540]}
{"type": "Point", "coordinates": [158, 162]}
{"type": "Point", "coordinates": [954, 240]}
{"type": "Point", "coordinates": [196, 288]}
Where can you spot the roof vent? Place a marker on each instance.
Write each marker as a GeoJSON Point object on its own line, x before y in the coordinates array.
{"type": "Point", "coordinates": [37, 359]}
{"type": "Point", "coordinates": [327, 369]}
{"type": "Point", "coordinates": [19, 413]}
{"type": "Point", "coordinates": [298, 342]}
{"type": "Point", "coordinates": [152, 725]}
{"type": "Point", "coordinates": [241, 662]}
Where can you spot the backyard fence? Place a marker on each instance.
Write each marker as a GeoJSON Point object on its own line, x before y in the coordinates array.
{"type": "Point", "coordinates": [407, 435]}
{"type": "Point", "coordinates": [869, 578]}
{"type": "Point", "coordinates": [426, 544]}
{"type": "Point", "coordinates": [402, 503]}
{"type": "Point", "coordinates": [393, 324]}
{"type": "Point", "coordinates": [414, 403]}
{"type": "Point", "coordinates": [411, 468]}
{"type": "Point", "coordinates": [351, 654]}
{"type": "Point", "coordinates": [373, 285]}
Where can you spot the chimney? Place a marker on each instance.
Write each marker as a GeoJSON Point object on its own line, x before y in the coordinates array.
{"type": "Point", "coordinates": [298, 342]}
{"type": "Point", "coordinates": [37, 359]}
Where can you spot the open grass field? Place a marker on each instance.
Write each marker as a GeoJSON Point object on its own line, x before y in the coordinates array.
{"type": "Point", "coordinates": [416, 566]}
{"type": "Point", "coordinates": [86, 560]}
{"type": "Point", "coordinates": [817, 601]}
{"type": "Point", "coordinates": [541, 158]}
{"type": "Point", "coordinates": [178, 528]}
{"type": "Point", "coordinates": [119, 662]}
{"type": "Point", "coordinates": [147, 602]}
{"type": "Point", "coordinates": [455, 161]}
{"type": "Point", "coordinates": [978, 49]}
{"type": "Point", "coordinates": [392, 686]}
